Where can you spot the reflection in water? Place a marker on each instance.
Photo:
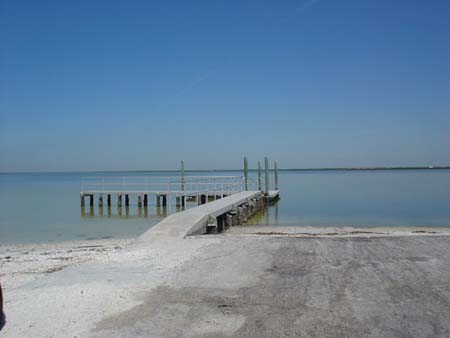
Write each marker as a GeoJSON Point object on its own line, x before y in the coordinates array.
{"type": "Point", "coordinates": [142, 212]}
{"type": "Point", "coordinates": [276, 212]}
{"type": "Point", "coordinates": [266, 216]}
{"type": "Point", "coordinates": [135, 211]}
{"type": "Point", "coordinates": [161, 211]}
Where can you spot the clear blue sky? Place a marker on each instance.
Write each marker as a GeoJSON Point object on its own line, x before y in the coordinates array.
{"type": "Point", "coordinates": [113, 85]}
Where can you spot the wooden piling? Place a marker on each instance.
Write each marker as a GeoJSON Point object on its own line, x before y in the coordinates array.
{"type": "Point", "coordinates": [245, 173]}
{"type": "Point", "coordinates": [220, 223]}
{"type": "Point", "coordinates": [119, 200]}
{"type": "Point", "coordinates": [100, 201]}
{"type": "Point", "coordinates": [275, 168]}
{"type": "Point", "coordinates": [228, 220]}
{"type": "Point", "coordinates": [259, 176]}
{"type": "Point", "coordinates": [145, 200]}
{"type": "Point", "coordinates": [234, 214]}
{"type": "Point", "coordinates": [82, 200]}
{"type": "Point", "coordinates": [158, 200]}
{"type": "Point", "coordinates": [139, 201]}
{"type": "Point", "coordinates": [183, 181]}
{"type": "Point", "coordinates": [266, 165]}
{"type": "Point", "coordinates": [127, 200]}
{"type": "Point", "coordinates": [202, 199]}
{"type": "Point", "coordinates": [240, 215]}
{"type": "Point", "coordinates": [108, 200]}
{"type": "Point", "coordinates": [91, 200]}
{"type": "Point", "coordinates": [164, 200]}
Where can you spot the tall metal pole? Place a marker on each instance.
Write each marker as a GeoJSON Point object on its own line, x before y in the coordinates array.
{"type": "Point", "coordinates": [275, 167]}
{"type": "Point", "coordinates": [266, 164]}
{"type": "Point", "coordinates": [182, 176]}
{"type": "Point", "coordinates": [259, 175]}
{"type": "Point", "coordinates": [246, 173]}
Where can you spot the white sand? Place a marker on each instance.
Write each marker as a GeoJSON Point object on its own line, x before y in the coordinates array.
{"type": "Point", "coordinates": [22, 263]}
{"type": "Point", "coordinates": [64, 289]}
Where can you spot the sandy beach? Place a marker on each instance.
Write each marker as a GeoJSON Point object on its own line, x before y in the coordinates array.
{"type": "Point", "coordinates": [22, 263]}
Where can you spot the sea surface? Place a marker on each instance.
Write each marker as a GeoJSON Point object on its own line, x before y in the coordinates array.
{"type": "Point", "coordinates": [45, 207]}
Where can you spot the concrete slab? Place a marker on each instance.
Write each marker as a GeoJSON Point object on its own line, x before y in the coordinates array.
{"type": "Point", "coordinates": [193, 220]}
{"type": "Point", "coordinates": [264, 286]}
{"type": "Point", "coordinates": [245, 286]}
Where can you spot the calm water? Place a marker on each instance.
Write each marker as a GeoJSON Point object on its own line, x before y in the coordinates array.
{"type": "Point", "coordinates": [46, 207]}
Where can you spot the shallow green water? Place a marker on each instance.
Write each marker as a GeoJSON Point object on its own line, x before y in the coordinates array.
{"type": "Point", "coordinates": [46, 207]}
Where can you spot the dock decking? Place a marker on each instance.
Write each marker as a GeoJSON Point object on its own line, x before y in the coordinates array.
{"type": "Point", "coordinates": [194, 188]}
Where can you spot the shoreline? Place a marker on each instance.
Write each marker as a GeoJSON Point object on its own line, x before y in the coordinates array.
{"type": "Point", "coordinates": [344, 231]}
{"type": "Point", "coordinates": [21, 263]}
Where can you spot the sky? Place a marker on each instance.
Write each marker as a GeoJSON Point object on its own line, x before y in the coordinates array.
{"type": "Point", "coordinates": [140, 85]}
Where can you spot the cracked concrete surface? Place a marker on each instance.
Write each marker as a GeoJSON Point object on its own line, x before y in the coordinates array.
{"type": "Point", "coordinates": [264, 286]}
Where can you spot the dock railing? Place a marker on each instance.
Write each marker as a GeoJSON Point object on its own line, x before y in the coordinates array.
{"type": "Point", "coordinates": [179, 186]}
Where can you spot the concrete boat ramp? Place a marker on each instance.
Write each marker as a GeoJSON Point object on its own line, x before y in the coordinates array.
{"type": "Point", "coordinates": [173, 283]}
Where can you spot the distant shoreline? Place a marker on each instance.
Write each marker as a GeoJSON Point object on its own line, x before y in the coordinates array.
{"type": "Point", "coordinates": [229, 170]}
{"type": "Point", "coordinates": [370, 168]}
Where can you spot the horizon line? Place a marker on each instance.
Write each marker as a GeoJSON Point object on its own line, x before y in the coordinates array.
{"type": "Point", "coordinates": [206, 170]}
